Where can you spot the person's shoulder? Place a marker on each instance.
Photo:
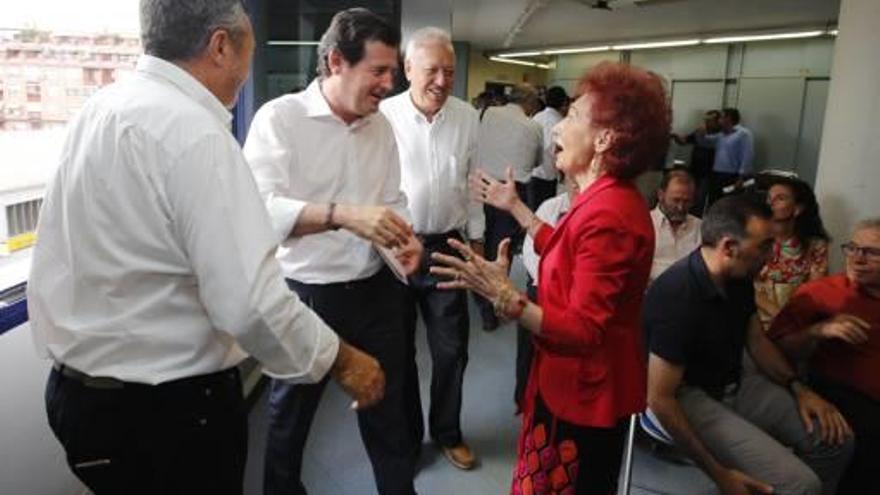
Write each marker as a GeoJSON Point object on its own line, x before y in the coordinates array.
{"type": "Point", "coordinates": [393, 103]}
{"type": "Point", "coordinates": [289, 106]}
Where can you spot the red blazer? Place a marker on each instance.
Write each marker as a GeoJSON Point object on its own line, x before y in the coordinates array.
{"type": "Point", "coordinates": [590, 364]}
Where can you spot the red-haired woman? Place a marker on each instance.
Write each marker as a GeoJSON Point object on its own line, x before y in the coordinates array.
{"type": "Point", "coordinates": [588, 375]}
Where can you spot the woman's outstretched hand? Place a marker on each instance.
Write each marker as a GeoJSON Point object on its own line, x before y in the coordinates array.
{"type": "Point", "coordinates": [487, 278]}
{"type": "Point", "coordinates": [501, 195]}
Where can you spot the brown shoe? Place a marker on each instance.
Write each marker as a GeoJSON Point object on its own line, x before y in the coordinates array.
{"type": "Point", "coordinates": [460, 456]}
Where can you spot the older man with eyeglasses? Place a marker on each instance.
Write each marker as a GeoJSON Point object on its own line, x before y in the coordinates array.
{"type": "Point", "coordinates": [832, 327]}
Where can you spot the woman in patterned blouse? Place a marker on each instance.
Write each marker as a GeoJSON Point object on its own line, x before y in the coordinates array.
{"type": "Point", "coordinates": [800, 252]}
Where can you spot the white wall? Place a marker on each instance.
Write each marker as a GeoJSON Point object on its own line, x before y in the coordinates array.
{"type": "Point", "coordinates": [31, 459]}
{"type": "Point", "coordinates": [779, 87]}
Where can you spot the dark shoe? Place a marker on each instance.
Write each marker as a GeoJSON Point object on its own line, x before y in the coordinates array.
{"type": "Point", "coordinates": [460, 456]}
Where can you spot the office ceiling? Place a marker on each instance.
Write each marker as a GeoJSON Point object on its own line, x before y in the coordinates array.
{"type": "Point", "coordinates": [495, 24]}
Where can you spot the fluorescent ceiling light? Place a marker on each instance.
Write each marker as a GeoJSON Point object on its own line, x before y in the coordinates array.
{"type": "Point", "coordinates": [833, 32]}
{"type": "Point", "coordinates": [519, 62]}
{"type": "Point", "coordinates": [564, 51]}
{"type": "Point", "coordinates": [519, 54]}
{"type": "Point", "coordinates": [291, 43]}
{"type": "Point", "coordinates": [656, 44]}
{"type": "Point", "coordinates": [763, 37]}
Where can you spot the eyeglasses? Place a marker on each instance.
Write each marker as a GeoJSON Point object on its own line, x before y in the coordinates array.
{"type": "Point", "coordinates": [853, 249]}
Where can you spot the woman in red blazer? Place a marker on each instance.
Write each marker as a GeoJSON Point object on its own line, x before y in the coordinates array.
{"type": "Point", "coordinates": [588, 375]}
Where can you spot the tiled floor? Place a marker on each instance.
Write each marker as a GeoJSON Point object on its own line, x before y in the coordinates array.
{"type": "Point", "coordinates": [336, 462]}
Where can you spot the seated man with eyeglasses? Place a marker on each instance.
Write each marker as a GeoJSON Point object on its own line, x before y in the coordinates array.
{"type": "Point", "coordinates": [831, 326]}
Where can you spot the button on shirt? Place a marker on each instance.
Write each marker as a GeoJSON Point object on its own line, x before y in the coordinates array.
{"type": "Point", "coordinates": [689, 322]}
{"type": "Point", "coordinates": [300, 152]}
{"type": "Point", "coordinates": [435, 159]}
{"type": "Point", "coordinates": [734, 152]}
{"type": "Point", "coordinates": [508, 138]}
{"type": "Point", "coordinates": [550, 212]}
{"type": "Point", "coordinates": [155, 254]}
{"type": "Point", "coordinates": [547, 119]}
{"type": "Point", "coordinates": [672, 245]}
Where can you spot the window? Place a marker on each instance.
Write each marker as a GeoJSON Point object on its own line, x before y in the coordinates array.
{"type": "Point", "coordinates": [52, 58]}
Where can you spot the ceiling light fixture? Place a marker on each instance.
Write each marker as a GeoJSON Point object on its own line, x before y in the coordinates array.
{"type": "Point", "coordinates": [566, 51]}
{"type": "Point", "coordinates": [519, 54]}
{"type": "Point", "coordinates": [764, 37]}
{"type": "Point", "coordinates": [656, 44]}
{"type": "Point", "coordinates": [833, 32]}
{"type": "Point", "coordinates": [519, 62]}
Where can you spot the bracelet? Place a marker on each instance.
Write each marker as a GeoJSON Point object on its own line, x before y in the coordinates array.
{"type": "Point", "coordinates": [501, 304]}
{"type": "Point", "coordinates": [328, 221]}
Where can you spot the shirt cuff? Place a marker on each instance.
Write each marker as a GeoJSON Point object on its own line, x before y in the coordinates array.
{"type": "Point", "coordinates": [284, 212]}
{"type": "Point", "coordinates": [325, 355]}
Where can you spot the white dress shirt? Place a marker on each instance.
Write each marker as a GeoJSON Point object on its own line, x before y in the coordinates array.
{"type": "Point", "coordinates": [671, 246]}
{"type": "Point", "coordinates": [154, 259]}
{"type": "Point", "coordinates": [300, 152]}
{"type": "Point", "coordinates": [550, 211]}
{"type": "Point", "coordinates": [508, 138]}
{"type": "Point", "coordinates": [435, 160]}
{"type": "Point", "coordinates": [547, 119]}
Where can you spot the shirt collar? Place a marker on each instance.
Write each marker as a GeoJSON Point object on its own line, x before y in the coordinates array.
{"type": "Point", "coordinates": [417, 114]}
{"type": "Point", "coordinates": [317, 106]}
{"type": "Point", "coordinates": [664, 221]}
{"type": "Point", "coordinates": [700, 272]}
{"type": "Point", "coordinates": [597, 185]}
{"type": "Point", "coordinates": [185, 82]}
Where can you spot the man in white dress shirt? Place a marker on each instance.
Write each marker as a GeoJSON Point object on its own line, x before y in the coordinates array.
{"type": "Point", "coordinates": [676, 232]}
{"type": "Point", "coordinates": [327, 166]}
{"type": "Point", "coordinates": [437, 139]}
{"type": "Point", "coordinates": [545, 177]}
{"type": "Point", "coordinates": [509, 138]}
{"type": "Point", "coordinates": [155, 274]}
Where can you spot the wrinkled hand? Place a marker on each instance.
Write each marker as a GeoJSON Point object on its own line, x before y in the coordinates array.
{"type": "Point", "coordinates": [410, 255]}
{"type": "Point", "coordinates": [487, 278]}
{"type": "Point", "coordinates": [733, 482]}
{"type": "Point", "coordinates": [833, 428]}
{"type": "Point", "coordinates": [360, 375]}
{"type": "Point", "coordinates": [378, 224]}
{"type": "Point", "coordinates": [848, 328]}
{"type": "Point", "coordinates": [485, 189]}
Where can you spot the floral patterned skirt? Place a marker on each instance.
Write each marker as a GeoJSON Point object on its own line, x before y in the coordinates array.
{"type": "Point", "coordinates": [560, 458]}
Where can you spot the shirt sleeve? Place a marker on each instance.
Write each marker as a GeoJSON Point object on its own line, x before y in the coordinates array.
{"type": "Point", "coordinates": [227, 236]}
{"type": "Point", "coordinates": [476, 224]}
{"type": "Point", "coordinates": [270, 154]}
{"type": "Point", "coordinates": [602, 268]}
{"type": "Point", "coordinates": [392, 195]}
{"type": "Point", "coordinates": [667, 327]}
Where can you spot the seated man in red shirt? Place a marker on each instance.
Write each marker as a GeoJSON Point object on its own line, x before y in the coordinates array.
{"type": "Point", "coordinates": [832, 326]}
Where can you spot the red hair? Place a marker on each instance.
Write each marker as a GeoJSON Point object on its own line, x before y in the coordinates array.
{"type": "Point", "coordinates": [631, 102]}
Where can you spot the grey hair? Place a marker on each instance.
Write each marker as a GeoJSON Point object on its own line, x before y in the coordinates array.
{"type": "Point", "coordinates": [427, 36]}
{"type": "Point", "coordinates": [867, 223]}
{"type": "Point", "coordinates": [177, 31]}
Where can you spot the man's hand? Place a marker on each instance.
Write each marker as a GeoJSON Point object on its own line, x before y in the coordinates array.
{"type": "Point", "coordinates": [848, 328]}
{"type": "Point", "coordinates": [410, 255]}
{"type": "Point", "coordinates": [378, 224]}
{"type": "Point", "coordinates": [733, 482]}
{"type": "Point", "coordinates": [360, 375]}
{"type": "Point", "coordinates": [833, 427]}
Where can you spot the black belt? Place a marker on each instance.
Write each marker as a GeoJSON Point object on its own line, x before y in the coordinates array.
{"type": "Point", "coordinates": [102, 382]}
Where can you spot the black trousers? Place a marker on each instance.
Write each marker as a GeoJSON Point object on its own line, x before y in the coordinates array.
{"type": "Point", "coordinates": [445, 313]}
{"type": "Point", "coordinates": [863, 414]}
{"type": "Point", "coordinates": [540, 190]}
{"type": "Point", "coordinates": [181, 437]}
{"type": "Point", "coordinates": [524, 350]}
{"type": "Point", "coordinates": [369, 314]}
{"type": "Point", "coordinates": [500, 225]}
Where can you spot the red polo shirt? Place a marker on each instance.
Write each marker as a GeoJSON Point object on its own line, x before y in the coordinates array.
{"type": "Point", "coordinates": [856, 366]}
